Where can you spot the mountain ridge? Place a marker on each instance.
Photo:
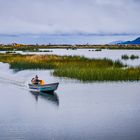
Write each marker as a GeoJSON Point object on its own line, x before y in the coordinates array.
{"type": "Point", "coordinates": [133, 42]}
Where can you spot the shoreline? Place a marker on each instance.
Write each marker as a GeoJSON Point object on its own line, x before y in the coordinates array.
{"type": "Point", "coordinates": [23, 47]}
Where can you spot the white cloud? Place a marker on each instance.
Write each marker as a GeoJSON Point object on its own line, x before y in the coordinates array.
{"type": "Point", "coordinates": [69, 16]}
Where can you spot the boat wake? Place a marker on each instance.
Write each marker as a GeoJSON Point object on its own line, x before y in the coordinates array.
{"type": "Point", "coordinates": [8, 77]}
{"type": "Point", "coordinates": [12, 79]}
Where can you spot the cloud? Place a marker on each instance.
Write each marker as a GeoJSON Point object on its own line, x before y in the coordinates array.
{"type": "Point", "coordinates": [69, 16]}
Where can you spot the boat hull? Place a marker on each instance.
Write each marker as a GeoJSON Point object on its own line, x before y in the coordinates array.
{"type": "Point", "coordinates": [48, 88]}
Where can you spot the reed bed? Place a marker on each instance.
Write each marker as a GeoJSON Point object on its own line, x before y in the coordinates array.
{"type": "Point", "coordinates": [76, 67]}
{"type": "Point", "coordinates": [125, 57]}
{"type": "Point", "coordinates": [132, 57]}
{"type": "Point", "coordinates": [110, 74]}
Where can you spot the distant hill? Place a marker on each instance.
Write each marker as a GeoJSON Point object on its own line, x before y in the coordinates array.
{"type": "Point", "coordinates": [116, 42]}
{"type": "Point", "coordinates": [133, 42]}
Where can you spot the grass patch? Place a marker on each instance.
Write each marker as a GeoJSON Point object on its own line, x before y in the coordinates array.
{"type": "Point", "coordinates": [97, 50]}
{"type": "Point", "coordinates": [125, 57]}
{"type": "Point", "coordinates": [76, 67]}
{"type": "Point", "coordinates": [8, 52]}
{"type": "Point", "coordinates": [132, 57]}
{"type": "Point", "coordinates": [97, 74]}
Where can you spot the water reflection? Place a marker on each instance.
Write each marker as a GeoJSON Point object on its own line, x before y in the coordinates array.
{"type": "Point", "coordinates": [52, 98]}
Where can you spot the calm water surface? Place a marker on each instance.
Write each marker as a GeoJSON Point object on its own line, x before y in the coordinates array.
{"type": "Point", "coordinates": [85, 111]}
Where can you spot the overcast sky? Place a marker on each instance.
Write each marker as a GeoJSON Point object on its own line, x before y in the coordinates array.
{"type": "Point", "coordinates": [69, 16]}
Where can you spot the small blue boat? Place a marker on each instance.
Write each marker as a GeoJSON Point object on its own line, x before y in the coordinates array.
{"type": "Point", "coordinates": [48, 88]}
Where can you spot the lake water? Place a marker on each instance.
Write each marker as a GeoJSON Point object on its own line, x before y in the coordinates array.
{"type": "Point", "coordinates": [77, 111]}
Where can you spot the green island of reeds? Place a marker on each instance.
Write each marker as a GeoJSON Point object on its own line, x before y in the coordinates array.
{"type": "Point", "coordinates": [76, 67]}
{"type": "Point", "coordinates": [132, 57]}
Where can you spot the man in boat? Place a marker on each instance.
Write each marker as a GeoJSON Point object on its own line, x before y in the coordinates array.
{"type": "Point", "coordinates": [36, 81]}
{"type": "Point", "coordinates": [33, 80]}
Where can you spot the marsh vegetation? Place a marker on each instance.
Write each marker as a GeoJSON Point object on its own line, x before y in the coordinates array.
{"type": "Point", "coordinates": [132, 57]}
{"type": "Point", "coordinates": [76, 67]}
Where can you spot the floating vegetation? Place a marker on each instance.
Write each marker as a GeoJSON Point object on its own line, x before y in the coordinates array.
{"type": "Point", "coordinates": [45, 51]}
{"type": "Point", "coordinates": [125, 57]}
{"type": "Point", "coordinates": [98, 50]}
{"type": "Point", "coordinates": [132, 57]}
{"type": "Point", "coordinates": [10, 52]}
